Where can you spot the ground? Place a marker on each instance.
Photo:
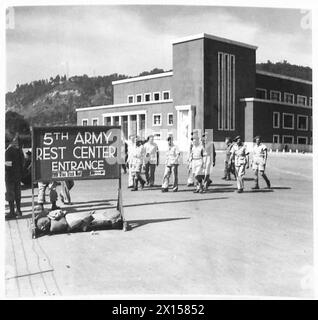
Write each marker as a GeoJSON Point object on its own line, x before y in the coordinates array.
{"type": "Point", "coordinates": [217, 243]}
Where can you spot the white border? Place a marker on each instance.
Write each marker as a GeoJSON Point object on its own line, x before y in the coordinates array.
{"type": "Point", "coordinates": [162, 94]}
{"type": "Point", "coordinates": [302, 137]}
{"type": "Point", "coordinates": [307, 122]}
{"type": "Point", "coordinates": [275, 91]}
{"type": "Point", "coordinates": [129, 96]}
{"type": "Point", "coordinates": [301, 96]}
{"type": "Point", "coordinates": [157, 92]}
{"type": "Point", "coordinates": [288, 136]}
{"type": "Point", "coordinates": [147, 93]}
{"type": "Point", "coordinates": [276, 112]}
{"type": "Point", "coordinates": [288, 114]}
{"type": "Point", "coordinates": [276, 135]}
{"type": "Point", "coordinates": [139, 95]}
{"type": "Point", "coordinates": [153, 119]}
{"type": "Point", "coordinates": [106, 116]}
{"type": "Point", "coordinates": [85, 119]}
{"type": "Point", "coordinates": [168, 124]}
{"type": "Point", "coordinates": [261, 89]}
{"type": "Point", "coordinates": [274, 102]}
{"type": "Point", "coordinates": [291, 94]}
{"type": "Point", "coordinates": [93, 121]}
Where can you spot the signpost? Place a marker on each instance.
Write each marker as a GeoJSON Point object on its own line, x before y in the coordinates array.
{"type": "Point", "coordinates": [77, 153]}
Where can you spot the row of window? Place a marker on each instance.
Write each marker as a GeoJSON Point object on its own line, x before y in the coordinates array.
{"type": "Point", "coordinates": [147, 97]}
{"type": "Point", "coordinates": [157, 119]}
{"type": "Point", "coordinates": [288, 97]}
{"type": "Point", "coordinates": [289, 121]}
{"type": "Point", "coordinates": [289, 139]}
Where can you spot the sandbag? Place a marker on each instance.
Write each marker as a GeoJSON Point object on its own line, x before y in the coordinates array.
{"type": "Point", "coordinates": [109, 219]}
{"type": "Point", "coordinates": [79, 221]}
{"type": "Point", "coordinates": [59, 226]}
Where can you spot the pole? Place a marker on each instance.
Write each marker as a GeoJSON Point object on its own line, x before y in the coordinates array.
{"type": "Point", "coordinates": [32, 183]}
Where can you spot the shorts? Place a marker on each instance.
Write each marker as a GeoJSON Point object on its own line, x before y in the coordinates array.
{"type": "Point", "coordinates": [259, 164]}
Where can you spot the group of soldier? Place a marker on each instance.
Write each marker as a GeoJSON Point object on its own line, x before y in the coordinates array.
{"type": "Point", "coordinates": [143, 157]}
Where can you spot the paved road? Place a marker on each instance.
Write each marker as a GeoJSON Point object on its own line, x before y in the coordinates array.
{"type": "Point", "coordinates": [217, 243]}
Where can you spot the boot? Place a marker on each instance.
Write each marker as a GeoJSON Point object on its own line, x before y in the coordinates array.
{"type": "Point", "coordinates": [11, 214]}
{"type": "Point", "coordinates": [54, 206]}
{"type": "Point", "coordinates": [267, 181]}
{"type": "Point", "coordinates": [256, 187]}
{"type": "Point", "coordinates": [135, 185]}
{"type": "Point", "coordinates": [18, 205]}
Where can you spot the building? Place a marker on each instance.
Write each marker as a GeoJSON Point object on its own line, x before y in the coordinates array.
{"type": "Point", "coordinates": [214, 85]}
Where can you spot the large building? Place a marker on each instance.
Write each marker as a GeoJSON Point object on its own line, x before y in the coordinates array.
{"type": "Point", "coordinates": [214, 85]}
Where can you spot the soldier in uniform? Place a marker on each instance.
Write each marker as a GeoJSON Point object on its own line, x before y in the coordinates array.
{"type": "Point", "coordinates": [152, 160]}
{"type": "Point", "coordinates": [259, 162]}
{"type": "Point", "coordinates": [131, 146]}
{"type": "Point", "coordinates": [228, 165]}
{"type": "Point", "coordinates": [172, 162]}
{"type": "Point", "coordinates": [190, 180]}
{"type": "Point", "coordinates": [136, 160]}
{"type": "Point", "coordinates": [240, 155]}
{"type": "Point", "coordinates": [209, 155]}
{"type": "Point", "coordinates": [197, 163]}
{"type": "Point", "coordinates": [14, 160]}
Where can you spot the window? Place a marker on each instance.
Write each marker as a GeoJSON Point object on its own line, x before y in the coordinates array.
{"type": "Point", "coordinates": [156, 96]}
{"type": "Point", "coordinates": [310, 102]}
{"type": "Point", "coordinates": [107, 121]}
{"type": "Point", "coordinates": [139, 98]}
{"type": "Point", "coordinates": [157, 136]}
{"type": "Point", "coordinates": [275, 138]}
{"type": "Point", "coordinates": [276, 120]}
{"type": "Point", "coordinates": [288, 121]}
{"type": "Point", "coordinates": [288, 139]}
{"type": "Point", "coordinates": [289, 97]}
{"type": "Point", "coordinates": [261, 93]}
{"type": "Point", "coordinates": [170, 119]}
{"type": "Point", "coordinates": [95, 121]}
{"type": "Point", "coordinates": [275, 95]}
{"type": "Point", "coordinates": [130, 99]}
{"type": "Point", "coordinates": [147, 97]}
{"type": "Point", "coordinates": [156, 121]}
{"type": "Point", "coordinates": [166, 95]}
{"type": "Point", "coordinates": [302, 100]}
{"type": "Point", "coordinates": [302, 123]}
{"type": "Point", "coordinates": [84, 122]}
{"type": "Point", "coordinates": [302, 140]}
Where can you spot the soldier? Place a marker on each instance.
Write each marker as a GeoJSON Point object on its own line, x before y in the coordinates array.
{"type": "Point", "coordinates": [136, 160]}
{"type": "Point", "coordinates": [14, 159]}
{"type": "Point", "coordinates": [241, 160]}
{"type": "Point", "coordinates": [197, 163]}
{"type": "Point", "coordinates": [190, 180]}
{"type": "Point", "coordinates": [152, 160]}
{"type": "Point", "coordinates": [172, 162]}
{"type": "Point", "coordinates": [131, 145]}
{"type": "Point", "coordinates": [42, 185]}
{"type": "Point", "coordinates": [209, 158]}
{"type": "Point", "coordinates": [228, 165]}
{"type": "Point", "coordinates": [259, 162]}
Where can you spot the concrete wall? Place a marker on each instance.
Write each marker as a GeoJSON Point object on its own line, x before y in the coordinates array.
{"type": "Point", "coordinates": [244, 84]}
{"type": "Point", "coordinates": [187, 84]}
{"type": "Point", "coordinates": [123, 90]}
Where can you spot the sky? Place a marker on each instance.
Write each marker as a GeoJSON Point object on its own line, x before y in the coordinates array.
{"type": "Point", "coordinates": [99, 40]}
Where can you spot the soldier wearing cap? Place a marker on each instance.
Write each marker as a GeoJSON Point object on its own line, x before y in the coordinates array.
{"type": "Point", "coordinates": [240, 155]}
{"type": "Point", "coordinates": [152, 160]}
{"type": "Point", "coordinates": [172, 163]}
{"type": "Point", "coordinates": [136, 160]}
{"type": "Point", "coordinates": [259, 161]}
{"type": "Point", "coordinates": [197, 162]}
{"type": "Point", "coordinates": [209, 156]}
{"type": "Point", "coordinates": [228, 165]}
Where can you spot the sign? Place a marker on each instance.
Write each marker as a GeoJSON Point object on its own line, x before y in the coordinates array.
{"type": "Point", "coordinates": [77, 153]}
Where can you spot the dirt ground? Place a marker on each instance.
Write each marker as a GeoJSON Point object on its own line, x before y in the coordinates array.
{"type": "Point", "coordinates": [259, 243]}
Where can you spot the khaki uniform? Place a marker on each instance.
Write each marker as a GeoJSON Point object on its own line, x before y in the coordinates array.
{"type": "Point", "coordinates": [239, 153]}
{"type": "Point", "coordinates": [172, 157]}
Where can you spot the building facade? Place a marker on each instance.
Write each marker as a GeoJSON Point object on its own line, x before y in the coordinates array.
{"type": "Point", "coordinates": [214, 85]}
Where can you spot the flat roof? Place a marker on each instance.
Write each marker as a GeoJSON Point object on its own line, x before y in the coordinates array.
{"type": "Point", "coordinates": [281, 76]}
{"type": "Point", "coordinates": [151, 76]}
{"type": "Point", "coordinates": [213, 37]}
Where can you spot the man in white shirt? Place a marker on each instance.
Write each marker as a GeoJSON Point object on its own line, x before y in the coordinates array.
{"type": "Point", "coordinates": [172, 162]}
{"type": "Point", "coordinates": [259, 162]}
{"type": "Point", "coordinates": [151, 161]}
